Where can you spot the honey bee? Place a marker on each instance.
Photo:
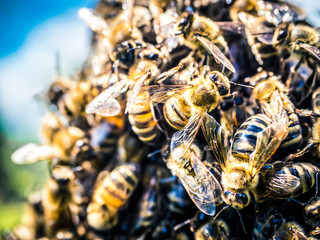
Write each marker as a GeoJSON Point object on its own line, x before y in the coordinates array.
{"type": "Point", "coordinates": [233, 113]}
{"type": "Point", "coordinates": [202, 33]}
{"type": "Point", "coordinates": [311, 211]}
{"type": "Point", "coordinates": [130, 149]}
{"type": "Point", "coordinates": [56, 199]}
{"type": "Point", "coordinates": [149, 211]}
{"type": "Point", "coordinates": [111, 192]}
{"type": "Point", "coordinates": [214, 229]}
{"type": "Point", "coordinates": [300, 39]}
{"type": "Point", "coordinates": [58, 143]}
{"type": "Point", "coordinates": [143, 71]}
{"type": "Point", "coordinates": [268, 86]}
{"type": "Point", "coordinates": [142, 119]}
{"type": "Point", "coordinates": [264, 52]}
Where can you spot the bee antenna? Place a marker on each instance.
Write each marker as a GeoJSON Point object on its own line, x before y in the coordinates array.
{"type": "Point", "coordinates": [224, 208]}
{"type": "Point", "coordinates": [150, 155]}
{"type": "Point", "coordinates": [180, 225]}
{"type": "Point", "coordinates": [241, 85]}
{"type": "Point", "coordinates": [242, 224]}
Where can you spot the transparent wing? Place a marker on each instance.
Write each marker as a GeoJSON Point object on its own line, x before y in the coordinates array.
{"type": "Point", "coordinates": [32, 153]}
{"type": "Point", "coordinates": [93, 20]}
{"type": "Point", "coordinates": [203, 188]}
{"type": "Point", "coordinates": [136, 89]}
{"type": "Point", "coordinates": [104, 103]}
{"type": "Point", "coordinates": [167, 74]}
{"type": "Point", "coordinates": [216, 52]}
{"type": "Point", "coordinates": [235, 26]}
{"type": "Point", "coordinates": [216, 137]}
{"type": "Point", "coordinates": [277, 13]}
{"type": "Point", "coordinates": [282, 185]}
{"type": "Point", "coordinates": [255, 26]}
{"type": "Point", "coordinates": [160, 94]}
{"type": "Point", "coordinates": [314, 51]}
{"type": "Point", "coordinates": [268, 141]}
{"type": "Point", "coordinates": [182, 140]}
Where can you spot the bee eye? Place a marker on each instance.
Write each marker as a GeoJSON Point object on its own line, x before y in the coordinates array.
{"type": "Point", "coordinates": [183, 22]}
{"type": "Point", "coordinates": [213, 77]}
{"type": "Point", "coordinates": [153, 56]}
{"type": "Point", "coordinates": [282, 34]}
{"type": "Point", "coordinates": [223, 90]}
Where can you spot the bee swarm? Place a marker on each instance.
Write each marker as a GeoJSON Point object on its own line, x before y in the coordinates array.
{"type": "Point", "coordinates": [127, 157]}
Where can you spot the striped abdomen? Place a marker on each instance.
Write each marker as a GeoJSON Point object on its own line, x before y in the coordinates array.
{"type": "Point", "coordinates": [115, 189]}
{"type": "Point", "coordinates": [104, 138]}
{"type": "Point", "coordinates": [142, 120]}
{"type": "Point", "coordinates": [245, 138]}
{"type": "Point", "coordinates": [265, 55]}
{"type": "Point", "coordinates": [177, 112]}
{"type": "Point", "coordinates": [294, 138]}
{"type": "Point", "coordinates": [305, 172]}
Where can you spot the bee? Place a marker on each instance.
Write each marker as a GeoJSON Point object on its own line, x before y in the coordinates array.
{"type": "Point", "coordinates": [142, 119]}
{"type": "Point", "coordinates": [149, 211]}
{"type": "Point", "coordinates": [234, 112]}
{"type": "Point", "coordinates": [311, 212]}
{"type": "Point", "coordinates": [268, 86]}
{"type": "Point", "coordinates": [58, 143]}
{"type": "Point", "coordinates": [56, 199]}
{"type": "Point", "coordinates": [316, 124]}
{"type": "Point", "coordinates": [130, 149]}
{"type": "Point", "coordinates": [202, 33]}
{"type": "Point", "coordinates": [143, 71]}
{"type": "Point", "coordinates": [300, 39]}
{"type": "Point", "coordinates": [264, 52]}
{"type": "Point", "coordinates": [214, 229]}
{"type": "Point", "coordinates": [111, 192]}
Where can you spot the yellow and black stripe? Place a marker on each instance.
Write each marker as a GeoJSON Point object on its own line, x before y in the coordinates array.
{"type": "Point", "coordinates": [245, 138]}
{"type": "Point", "coordinates": [142, 120]}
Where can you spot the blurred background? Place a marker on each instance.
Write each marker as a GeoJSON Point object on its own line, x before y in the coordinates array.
{"type": "Point", "coordinates": [32, 33]}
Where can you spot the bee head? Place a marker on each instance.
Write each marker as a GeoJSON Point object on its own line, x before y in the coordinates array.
{"type": "Point", "coordinates": [236, 200]}
{"type": "Point", "coordinates": [221, 82]}
{"type": "Point", "coordinates": [184, 22]}
{"type": "Point", "coordinates": [280, 34]}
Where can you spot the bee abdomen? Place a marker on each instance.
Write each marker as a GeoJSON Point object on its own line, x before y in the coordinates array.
{"type": "Point", "coordinates": [142, 120]}
{"type": "Point", "coordinates": [119, 185]}
{"type": "Point", "coordinates": [305, 172]}
{"type": "Point", "coordinates": [176, 113]}
{"type": "Point", "coordinates": [245, 137]}
{"type": "Point", "coordinates": [294, 138]}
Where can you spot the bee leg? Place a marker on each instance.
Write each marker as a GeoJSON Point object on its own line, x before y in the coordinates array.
{"type": "Point", "coordinates": [114, 69]}
{"type": "Point", "coordinates": [242, 224]}
{"type": "Point", "coordinates": [293, 72]}
{"type": "Point", "coordinates": [306, 112]}
{"type": "Point", "coordinates": [299, 153]}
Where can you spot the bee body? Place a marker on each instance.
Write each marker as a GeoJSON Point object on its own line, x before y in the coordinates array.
{"type": "Point", "coordinates": [245, 138]}
{"type": "Point", "coordinates": [142, 120]}
{"type": "Point", "coordinates": [112, 191]}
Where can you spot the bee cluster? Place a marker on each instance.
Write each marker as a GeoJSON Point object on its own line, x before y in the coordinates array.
{"type": "Point", "coordinates": [127, 159]}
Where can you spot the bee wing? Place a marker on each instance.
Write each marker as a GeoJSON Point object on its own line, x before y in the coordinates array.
{"type": "Point", "coordinates": [93, 20]}
{"type": "Point", "coordinates": [105, 103]}
{"type": "Point", "coordinates": [314, 51]}
{"type": "Point", "coordinates": [135, 91]}
{"type": "Point", "coordinates": [216, 52]}
{"type": "Point", "coordinates": [255, 26]}
{"type": "Point", "coordinates": [203, 188]}
{"type": "Point", "coordinates": [182, 140]}
{"type": "Point", "coordinates": [32, 153]}
{"type": "Point", "coordinates": [281, 185]}
{"type": "Point", "coordinates": [268, 141]}
{"type": "Point", "coordinates": [216, 137]}
{"type": "Point", "coordinates": [160, 94]}
{"type": "Point", "coordinates": [235, 26]}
